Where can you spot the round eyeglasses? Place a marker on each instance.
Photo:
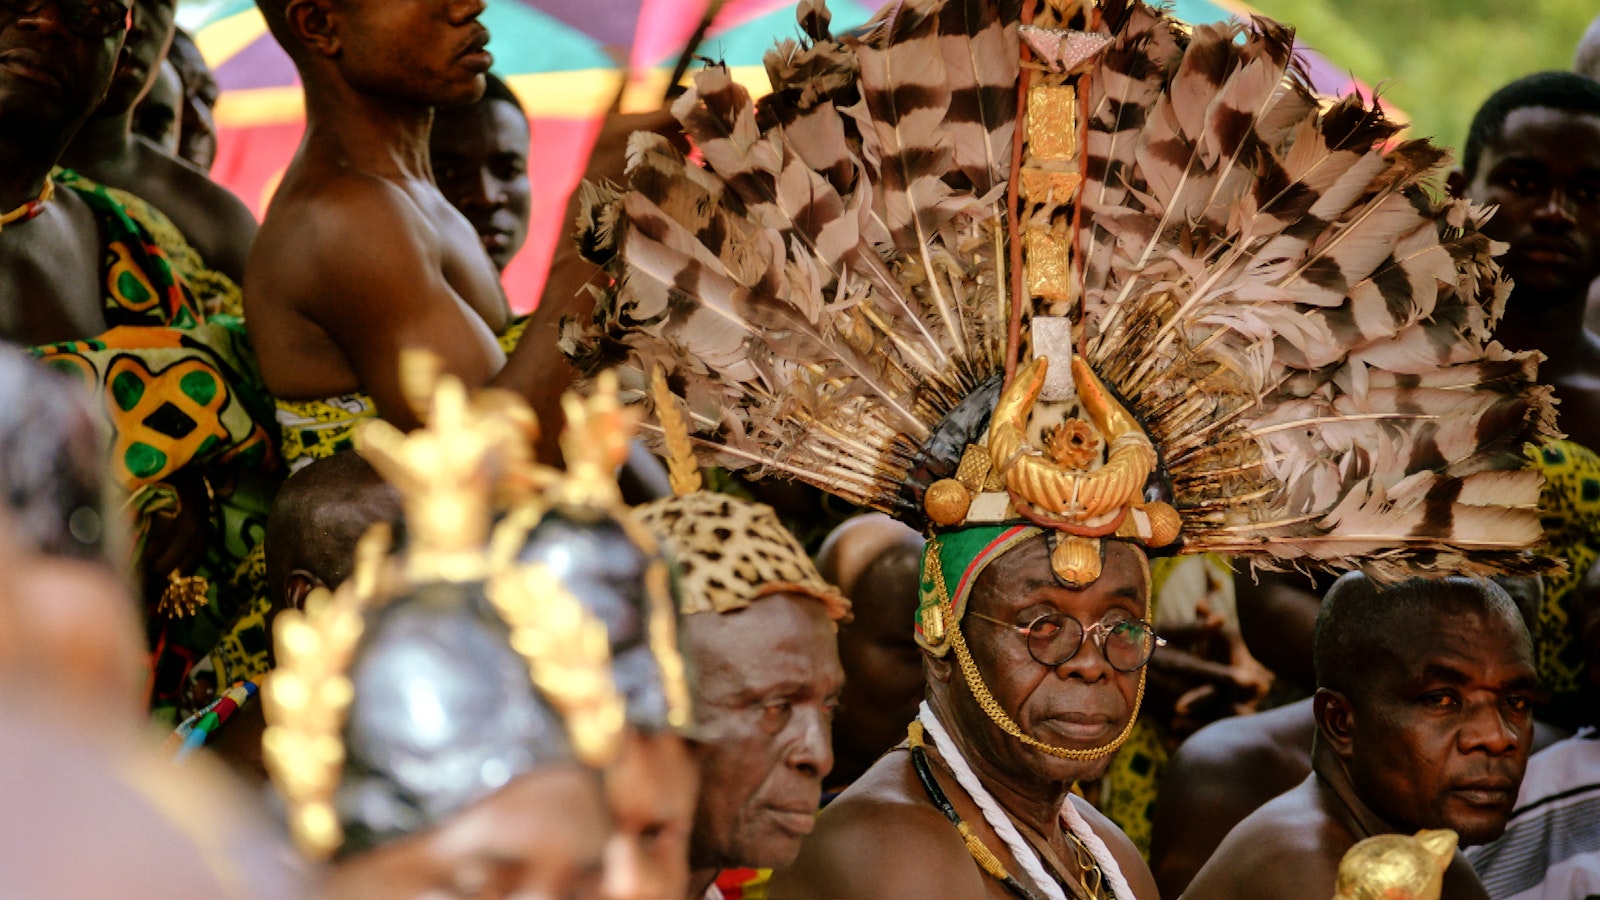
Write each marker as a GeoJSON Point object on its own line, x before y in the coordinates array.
{"type": "Point", "coordinates": [92, 19]}
{"type": "Point", "coordinates": [1053, 638]}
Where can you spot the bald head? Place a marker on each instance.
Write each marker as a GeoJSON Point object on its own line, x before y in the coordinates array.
{"type": "Point", "coordinates": [316, 520]}
{"type": "Point", "coordinates": [1361, 622]}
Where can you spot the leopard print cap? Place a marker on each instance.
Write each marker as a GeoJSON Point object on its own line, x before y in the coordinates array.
{"type": "Point", "coordinates": [732, 552]}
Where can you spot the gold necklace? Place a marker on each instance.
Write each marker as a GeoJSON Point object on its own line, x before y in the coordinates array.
{"type": "Point", "coordinates": [31, 208]}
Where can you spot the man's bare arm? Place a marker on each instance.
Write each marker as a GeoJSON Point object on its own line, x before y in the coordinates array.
{"type": "Point", "coordinates": [375, 269]}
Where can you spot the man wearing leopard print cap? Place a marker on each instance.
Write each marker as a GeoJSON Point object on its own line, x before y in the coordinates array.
{"type": "Point", "coordinates": [759, 630]}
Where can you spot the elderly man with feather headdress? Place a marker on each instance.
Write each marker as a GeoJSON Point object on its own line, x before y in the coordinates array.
{"type": "Point", "coordinates": [1063, 287]}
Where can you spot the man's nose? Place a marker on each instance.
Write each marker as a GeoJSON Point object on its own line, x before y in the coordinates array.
{"type": "Point", "coordinates": [1556, 210]}
{"type": "Point", "coordinates": [467, 10]}
{"type": "Point", "coordinates": [1490, 730]}
{"type": "Point", "coordinates": [483, 191]}
{"type": "Point", "coordinates": [811, 753]}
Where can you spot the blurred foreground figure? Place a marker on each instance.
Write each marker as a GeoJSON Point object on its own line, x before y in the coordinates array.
{"type": "Point", "coordinates": [759, 623]}
{"type": "Point", "coordinates": [1424, 710]}
{"type": "Point", "coordinates": [80, 771]}
{"type": "Point", "coordinates": [489, 716]}
{"type": "Point", "coordinates": [479, 154]}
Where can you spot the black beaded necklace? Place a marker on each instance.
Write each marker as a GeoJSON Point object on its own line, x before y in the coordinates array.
{"type": "Point", "coordinates": [985, 857]}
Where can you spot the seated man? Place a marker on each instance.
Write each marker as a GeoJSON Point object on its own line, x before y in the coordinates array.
{"type": "Point", "coordinates": [218, 224]}
{"type": "Point", "coordinates": [159, 116]}
{"type": "Point", "coordinates": [197, 138]}
{"type": "Point", "coordinates": [1221, 774]}
{"type": "Point", "coordinates": [1424, 710]}
{"type": "Point", "coordinates": [759, 626]}
{"type": "Point", "coordinates": [1533, 151]}
{"type": "Point", "coordinates": [877, 564]}
{"type": "Point", "coordinates": [479, 154]}
{"type": "Point", "coordinates": [96, 293]}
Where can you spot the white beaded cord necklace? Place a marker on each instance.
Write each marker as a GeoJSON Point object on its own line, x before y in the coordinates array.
{"type": "Point", "coordinates": [1026, 856]}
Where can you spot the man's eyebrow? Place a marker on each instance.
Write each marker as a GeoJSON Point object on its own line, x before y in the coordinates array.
{"type": "Point", "coordinates": [1448, 674]}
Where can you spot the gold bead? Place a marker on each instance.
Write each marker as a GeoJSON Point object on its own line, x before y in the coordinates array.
{"type": "Point", "coordinates": [1165, 524]}
{"type": "Point", "coordinates": [947, 501]}
{"type": "Point", "coordinates": [1076, 560]}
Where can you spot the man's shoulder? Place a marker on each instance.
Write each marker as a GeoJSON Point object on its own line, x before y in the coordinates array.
{"type": "Point", "coordinates": [881, 812]}
{"type": "Point", "coordinates": [1291, 836]}
{"type": "Point", "coordinates": [1246, 743]}
{"type": "Point", "coordinates": [879, 840]}
{"type": "Point", "coordinates": [338, 196]}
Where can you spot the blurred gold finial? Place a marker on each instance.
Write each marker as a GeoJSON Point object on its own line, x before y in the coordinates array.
{"type": "Point", "coordinates": [447, 471]}
{"type": "Point", "coordinates": [595, 444]}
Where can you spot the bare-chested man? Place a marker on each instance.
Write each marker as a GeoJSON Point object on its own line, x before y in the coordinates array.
{"type": "Point", "coordinates": [56, 63]}
{"type": "Point", "coordinates": [1534, 151]}
{"type": "Point", "coordinates": [1424, 710]}
{"type": "Point", "coordinates": [211, 218]}
{"type": "Point", "coordinates": [360, 255]}
{"type": "Point", "coordinates": [1062, 666]}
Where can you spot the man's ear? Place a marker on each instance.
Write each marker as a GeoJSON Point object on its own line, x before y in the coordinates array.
{"type": "Point", "coordinates": [1456, 183]}
{"type": "Point", "coordinates": [297, 587]}
{"type": "Point", "coordinates": [312, 21]}
{"type": "Point", "coordinates": [1335, 720]}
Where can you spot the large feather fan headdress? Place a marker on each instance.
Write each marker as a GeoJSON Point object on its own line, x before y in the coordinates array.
{"type": "Point", "coordinates": [1097, 272]}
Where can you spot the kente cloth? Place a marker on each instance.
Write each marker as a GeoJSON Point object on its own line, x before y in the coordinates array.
{"type": "Point", "coordinates": [1569, 510]}
{"type": "Point", "coordinates": [740, 884]}
{"type": "Point", "coordinates": [215, 291]}
{"type": "Point", "coordinates": [317, 429]}
{"type": "Point", "coordinates": [181, 393]}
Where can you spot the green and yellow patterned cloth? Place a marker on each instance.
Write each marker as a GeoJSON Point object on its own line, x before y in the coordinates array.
{"type": "Point", "coordinates": [317, 429]}
{"type": "Point", "coordinates": [182, 395]}
{"type": "Point", "coordinates": [1570, 513]}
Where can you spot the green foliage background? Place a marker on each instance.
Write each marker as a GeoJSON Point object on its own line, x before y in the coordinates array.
{"type": "Point", "coordinates": [1438, 60]}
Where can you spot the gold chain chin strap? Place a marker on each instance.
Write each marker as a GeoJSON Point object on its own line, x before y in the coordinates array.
{"type": "Point", "coordinates": [986, 701]}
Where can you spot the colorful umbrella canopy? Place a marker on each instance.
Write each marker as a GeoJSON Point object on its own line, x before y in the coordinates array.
{"type": "Point", "coordinates": [565, 59]}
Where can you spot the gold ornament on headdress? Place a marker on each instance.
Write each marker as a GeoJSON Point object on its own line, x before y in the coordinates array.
{"type": "Point", "coordinates": [1396, 867]}
{"type": "Point", "coordinates": [447, 472]}
{"type": "Point", "coordinates": [568, 655]}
